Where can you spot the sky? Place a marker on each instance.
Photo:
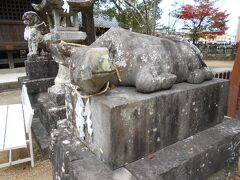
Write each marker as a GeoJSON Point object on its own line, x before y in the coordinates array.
{"type": "Point", "coordinates": [231, 6]}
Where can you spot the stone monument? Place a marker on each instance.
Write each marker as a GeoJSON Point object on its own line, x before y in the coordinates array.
{"type": "Point", "coordinates": [34, 31]}
{"type": "Point", "coordinates": [163, 62]}
{"type": "Point", "coordinates": [162, 119]}
{"type": "Point", "coordinates": [40, 67]}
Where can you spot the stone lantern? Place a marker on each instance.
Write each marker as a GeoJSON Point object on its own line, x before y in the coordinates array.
{"type": "Point", "coordinates": [62, 17]}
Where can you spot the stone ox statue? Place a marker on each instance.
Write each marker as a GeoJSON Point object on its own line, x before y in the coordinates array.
{"type": "Point", "coordinates": [147, 62]}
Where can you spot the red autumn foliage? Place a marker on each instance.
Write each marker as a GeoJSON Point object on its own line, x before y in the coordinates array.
{"type": "Point", "coordinates": [203, 19]}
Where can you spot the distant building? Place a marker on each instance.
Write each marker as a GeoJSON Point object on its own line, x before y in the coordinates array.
{"type": "Point", "coordinates": [238, 31]}
{"type": "Point", "coordinates": [220, 39]}
{"type": "Point", "coordinates": [102, 23]}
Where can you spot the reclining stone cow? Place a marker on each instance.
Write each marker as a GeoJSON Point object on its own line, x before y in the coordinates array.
{"type": "Point", "coordinates": [147, 62]}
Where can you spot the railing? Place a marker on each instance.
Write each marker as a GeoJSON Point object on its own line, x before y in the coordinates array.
{"type": "Point", "coordinates": [222, 73]}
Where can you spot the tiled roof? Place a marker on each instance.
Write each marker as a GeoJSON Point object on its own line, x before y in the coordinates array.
{"type": "Point", "coordinates": [102, 21]}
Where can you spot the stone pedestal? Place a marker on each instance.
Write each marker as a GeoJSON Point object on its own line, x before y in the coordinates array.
{"type": "Point", "coordinates": [41, 69]}
{"type": "Point", "coordinates": [36, 85]}
{"type": "Point", "coordinates": [196, 157]}
{"type": "Point", "coordinates": [128, 125]}
{"type": "Point", "coordinates": [41, 72]}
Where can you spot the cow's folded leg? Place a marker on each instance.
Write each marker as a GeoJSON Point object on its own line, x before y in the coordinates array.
{"type": "Point", "coordinates": [147, 83]}
{"type": "Point", "coordinates": [199, 75]}
{"type": "Point", "coordinates": [208, 73]}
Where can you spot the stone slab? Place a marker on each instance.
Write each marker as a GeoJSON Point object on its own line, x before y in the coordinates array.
{"type": "Point", "coordinates": [57, 94]}
{"type": "Point", "coordinates": [36, 85]}
{"type": "Point", "coordinates": [196, 157]}
{"type": "Point", "coordinates": [71, 160]}
{"type": "Point", "coordinates": [42, 137]}
{"type": "Point", "coordinates": [41, 69]}
{"type": "Point", "coordinates": [48, 112]}
{"type": "Point", "coordinates": [72, 35]}
{"type": "Point", "coordinates": [128, 125]}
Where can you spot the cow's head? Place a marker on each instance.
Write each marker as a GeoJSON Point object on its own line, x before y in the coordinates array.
{"type": "Point", "coordinates": [91, 68]}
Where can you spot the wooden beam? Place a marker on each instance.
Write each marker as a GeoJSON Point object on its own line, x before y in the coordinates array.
{"type": "Point", "coordinates": [234, 86]}
{"type": "Point", "coordinates": [10, 59]}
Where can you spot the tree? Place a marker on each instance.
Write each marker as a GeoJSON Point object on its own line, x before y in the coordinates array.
{"type": "Point", "coordinates": [140, 15]}
{"type": "Point", "coordinates": [203, 19]}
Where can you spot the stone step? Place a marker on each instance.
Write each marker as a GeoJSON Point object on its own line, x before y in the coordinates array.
{"type": "Point", "coordinates": [71, 160]}
{"type": "Point", "coordinates": [36, 85]}
{"type": "Point", "coordinates": [196, 157]}
{"type": "Point", "coordinates": [48, 112]}
{"type": "Point", "coordinates": [42, 137]}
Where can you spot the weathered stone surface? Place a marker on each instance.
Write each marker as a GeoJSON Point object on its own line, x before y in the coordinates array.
{"type": "Point", "coordinates": [41, 69]}
{"type": "Point", "coordinates": [71, 160]}
{"type": "Point", "coordinates": [48, 112]}
{"type": "Point", "coordinates": [33, 32]}
{"type": "Point", "coordinates": [57, 94]}
{"type": "Point", "coordinates": [153, 63]}
{"type": "Point", "coordinates": [72, 35]}
{"type": "Point", "coordinates": [196, 157]}
{"type": "Point", "coordinates": [42, 137]}
{"type": "Point", "coordinates": [128, 125]}
{"type": "Point", "coordinates": [147, 62]}
{"type": "Point", "coordinates": [36, 85]}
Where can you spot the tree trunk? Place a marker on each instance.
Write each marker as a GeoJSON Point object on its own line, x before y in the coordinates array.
{"type": "Point", "coordinates": [88, 24]}
{"type": "Point", "coordinates": [155, 4]}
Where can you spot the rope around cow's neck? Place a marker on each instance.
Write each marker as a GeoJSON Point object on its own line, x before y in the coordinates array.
{"type": "Point", "coordinates": [72, 44]}
{"type": "Point", "coordinates": [74, 87]}
{"type": "Point", "coordinates": [107, 86]}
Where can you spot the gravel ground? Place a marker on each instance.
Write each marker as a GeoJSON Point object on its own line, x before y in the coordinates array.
{"type": "Point", "coordinates": [227, 64]}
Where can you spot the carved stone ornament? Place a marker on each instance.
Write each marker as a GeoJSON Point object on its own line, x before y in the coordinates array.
{"type": "Point", "coordinates": [34, 31]}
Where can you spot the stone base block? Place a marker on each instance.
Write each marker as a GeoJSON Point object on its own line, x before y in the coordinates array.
{"type": "Point", "coordinates": [128, 125]}
{"type": "Point", "coordinates": [196, 157]}
{"type": "Point", "coordinates": [41, 136]}
{"type": "Point", "coordinates": [57, 94]}
{"type": "Point", "coordinates": [41, 69]}
{"type": "Point", "coordinates": [47, 111]}
{"type": "Point", "coordinates": [72, 35]}
{"type": "Point", "coordinates": [71, 160]}
{"type": "Point", "coordinates": [37, 85]}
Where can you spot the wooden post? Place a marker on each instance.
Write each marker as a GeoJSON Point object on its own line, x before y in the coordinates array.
{"type": "Point", "coordinates": [234, 86]}
{"type": "Point", "coordinates": [10, 59]}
